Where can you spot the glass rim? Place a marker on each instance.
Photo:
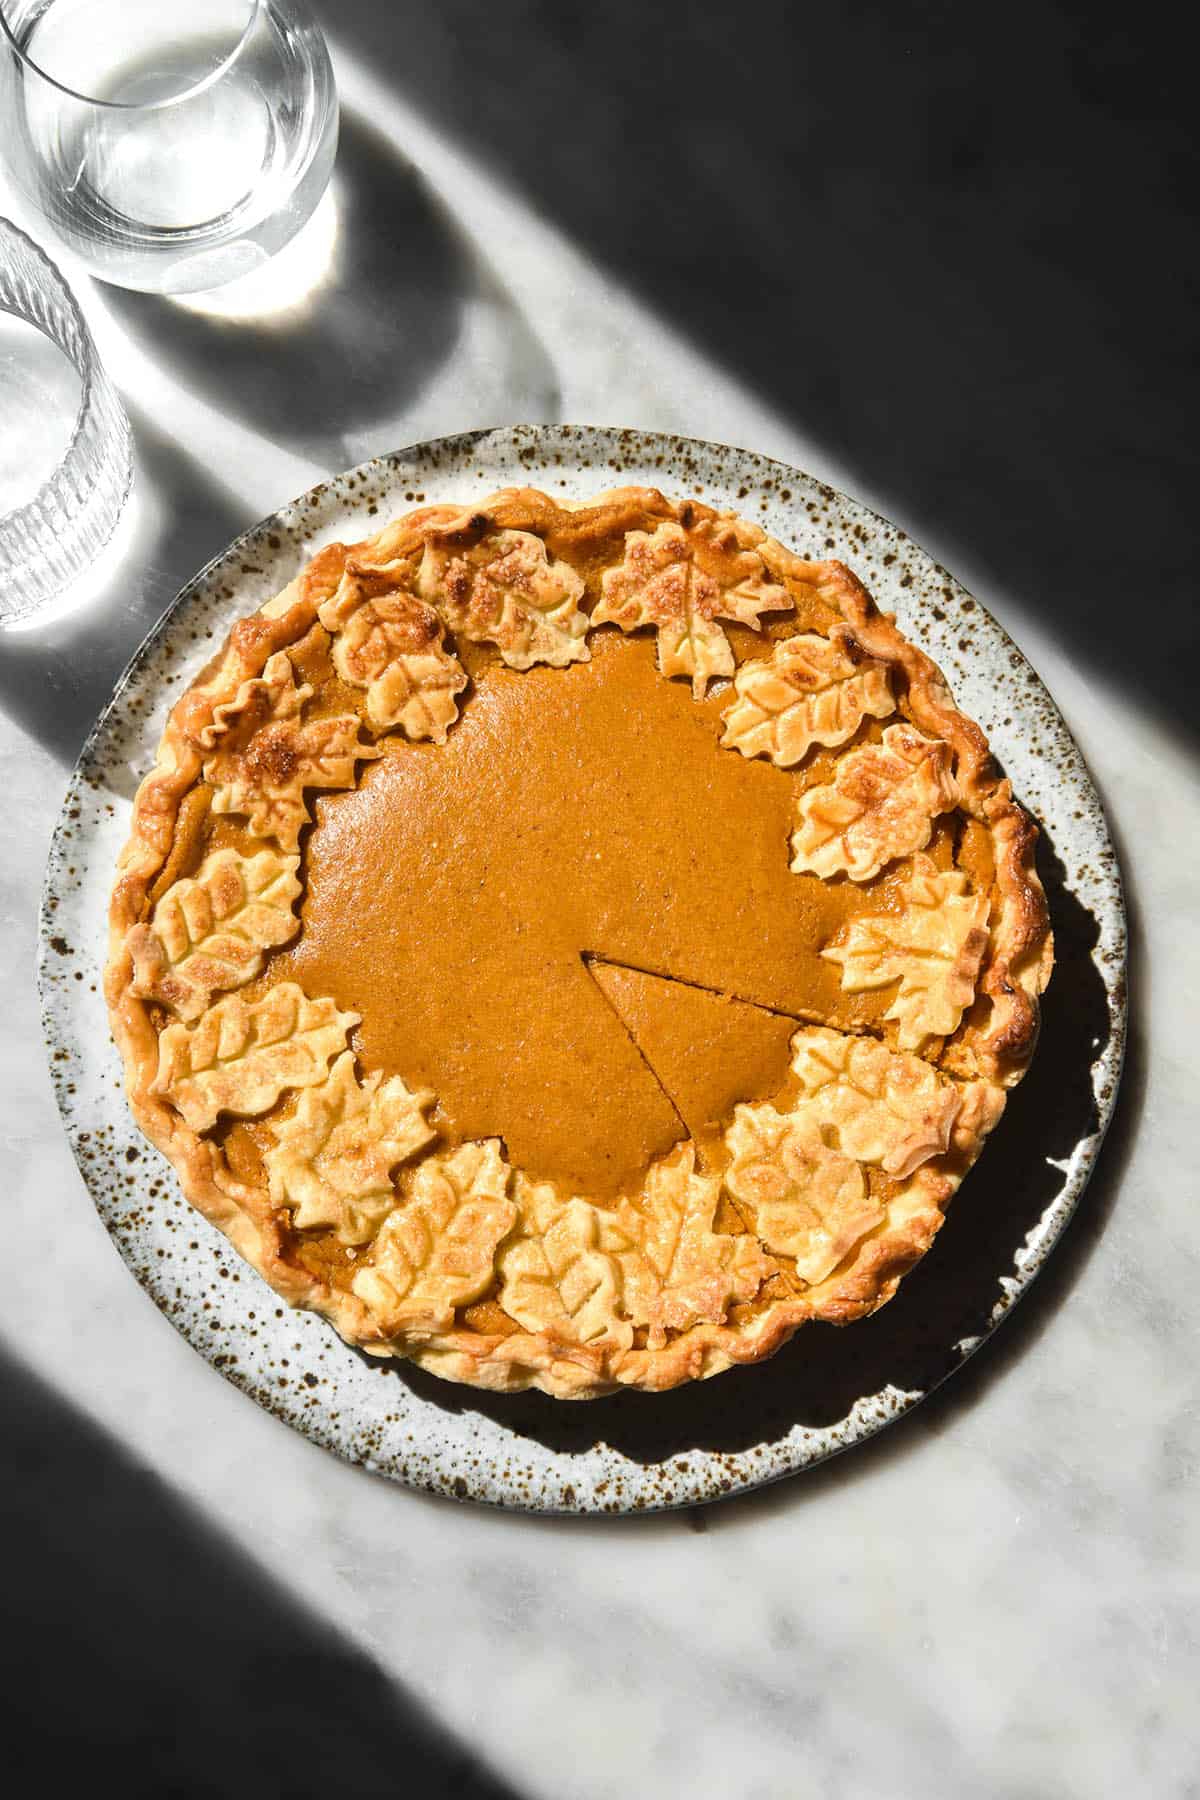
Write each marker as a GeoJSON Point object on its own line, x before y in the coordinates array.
{"type": "Point", "coordinates": [255, 8]}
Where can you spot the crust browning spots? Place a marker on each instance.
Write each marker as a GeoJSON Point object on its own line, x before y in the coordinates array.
{"type": "Point", "coordinates": [323, 573]}
{"type": "Point", "coordinates": [271, 756]}
{"type": "Point", "coordinates": [991, 841]}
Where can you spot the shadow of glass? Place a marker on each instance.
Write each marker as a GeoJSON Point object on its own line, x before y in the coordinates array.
{"type": "Point", "coordinates": [912, 1343]}
{"type": "Point", "coordinates": [404, 295]}
{"type": "Point", "coordinates": [56, 676]}
{"type": "Point", "coordinates": [144, 1647]}
{"type": "Point", "coordinates": [958, 310]}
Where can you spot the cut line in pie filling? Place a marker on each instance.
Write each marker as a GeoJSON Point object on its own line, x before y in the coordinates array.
{"type": "Point", "coordinates": [705, 1049]}
{"type": "Point", "coordinates": [550, 1019]}
{"type": "Point", "coordinates": [451, 899]}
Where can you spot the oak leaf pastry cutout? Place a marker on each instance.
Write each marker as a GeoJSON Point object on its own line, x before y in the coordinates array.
{"type": "Point", "coordinates": [881, 804]}
{"type": "Point", "coordinates": [822, 1159]}
{"type": "Point", "coordinates": [507, 590]}
{"type": "Point", "coordinates": [810, 1203]}
{"type": "Point", "coordinates": [683, 581]}
{"type": "Point", "coordinates": [209, 931]}
{"type": "Point", "coordinates": [810, 690]}
{"type": "Point", "coordinates": [436, 1251]}
{"type": "Point", "coordinates": [241, 1055]}
{"type": "Point", "coordinates": [933, 948]}
{"type": "Point", "coordinates": [390, 643]}
{"type": "Point", "coordinates": [332, 1161]}
{"type": "Point", "coordinates": [260, 766]}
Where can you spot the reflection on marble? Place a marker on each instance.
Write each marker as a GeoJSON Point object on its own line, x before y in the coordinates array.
{"type": "Point", "coordinates": [997, 1597]}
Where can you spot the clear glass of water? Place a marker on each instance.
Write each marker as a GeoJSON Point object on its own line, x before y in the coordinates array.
{"type": "Point", "coordinates": [65, 454]}
{"type": "Point", "coordinates": [169, 145]}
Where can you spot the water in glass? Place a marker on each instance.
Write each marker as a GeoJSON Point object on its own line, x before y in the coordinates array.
{"type": "Point", "coordinates": [170, 147]}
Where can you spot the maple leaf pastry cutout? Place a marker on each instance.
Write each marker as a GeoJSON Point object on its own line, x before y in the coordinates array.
{"type": "Point", "coordinates": [871, 1103]}
{"type": "Point", "coordinates": [681, 582]}
{"type": "Point", "coordinates": [880, 805]}
{"type": "Point", "coordinates": [264, 754]}
{"type": "Point", "coordinates": [332, 1160]}
{"type": "Point", "coordinates": [932, 948]}
{"type": "Point", "coordinates": [390, 643]}
{"type": "Point", "coordinates": [809, 1202]}
{"type": "Point", "coordinates": [681, 1271]}
{"type": "Point", "coordinates": [507, 590]}
{"type": "Point", "coordinates": [559, 1273]}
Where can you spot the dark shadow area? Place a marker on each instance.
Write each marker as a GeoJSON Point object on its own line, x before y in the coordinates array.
{"type": "Point", "coordinates": [55, 677]}
{"type": "Point", "coordinates": [370, 336]}
{"type": "Point", "coordinates": [959, 251]}
{"type": "Point", "coordinates": [144, 1654]}
{"type": "Point", "coordinates": [911, 1343]}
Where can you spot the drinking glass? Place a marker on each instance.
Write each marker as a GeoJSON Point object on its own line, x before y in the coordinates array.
{"type": "Point", "coordinates": [170, 145]}
{"type": "Point", "coordinates": [58, 529]}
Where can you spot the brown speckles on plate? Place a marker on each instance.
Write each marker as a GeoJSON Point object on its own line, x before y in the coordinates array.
{"type": "Point", "coordinates": [828, 1390]}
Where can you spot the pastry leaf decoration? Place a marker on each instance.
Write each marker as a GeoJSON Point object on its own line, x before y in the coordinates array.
{"type": "Point", "coordinates": [559, 1276]}
{"type": "Point", "coordinates": [682, 582]}
{"type": "Point", "coordinates": [242, 1054]}
{"type": "Point", "coordinates": [810, 690]}
{"type": "Point", "coordinates": [506, 590]}
{"type": "Point", "coordinates": [333, 1159]}
{"type": "Point", "coordinates": [880, 805]}
{"type": "Point", "coordinates": [810, 1203]}
{"type": "Point", "coordinates": [875, 1105]}
{"type": "Point", "coordinates": [209, 931]}
{"type": "Point", "coordinates": [933, 948]}
{"type": "Point", "coordinates": [390, 643]}
{"type": "Point", "coordinates": [270, 697]}
{"type": "Point", "coordinates": [436, 1251]}
{"type": "Point", "coordinates": [265, 755]}
{"type": "Point", "coordinates": [681, 1271]}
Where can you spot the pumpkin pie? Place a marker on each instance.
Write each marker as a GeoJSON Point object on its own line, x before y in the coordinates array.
{"type": "Point", "coordinates": [573, 945]}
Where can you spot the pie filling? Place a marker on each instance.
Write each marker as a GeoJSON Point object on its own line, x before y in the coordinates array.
{"type": "Point", "coordinates": [456, 897]}
{"type": "Point", "coordinates": [576, 909]}
{"type": "Point", "coordinates": [571, 972]}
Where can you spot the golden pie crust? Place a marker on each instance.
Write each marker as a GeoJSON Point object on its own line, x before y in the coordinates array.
{"type": "Point", "coordinates": [547, 1019]}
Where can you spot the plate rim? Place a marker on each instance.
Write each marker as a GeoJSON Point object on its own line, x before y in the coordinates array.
{"type": "Point", "coordinates": [1108, 1068]}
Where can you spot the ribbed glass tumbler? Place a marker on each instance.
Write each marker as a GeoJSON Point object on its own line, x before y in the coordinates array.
{"type": "Point", "coordinates": [51, 539]}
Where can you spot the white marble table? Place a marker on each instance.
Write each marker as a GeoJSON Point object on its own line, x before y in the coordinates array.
{"type": "Point", "coordinates": [998, 1597]}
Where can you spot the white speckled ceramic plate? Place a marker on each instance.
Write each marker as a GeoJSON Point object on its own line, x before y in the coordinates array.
{"type": "Point", "coordinates": [828, 1389]}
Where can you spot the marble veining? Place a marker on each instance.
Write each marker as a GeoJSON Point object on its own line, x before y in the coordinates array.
{"type": "Point", "coordinates": [997, 1596]}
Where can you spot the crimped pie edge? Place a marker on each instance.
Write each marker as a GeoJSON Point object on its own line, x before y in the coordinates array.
{"type": "Point", "coordinates": [1015, 973]}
